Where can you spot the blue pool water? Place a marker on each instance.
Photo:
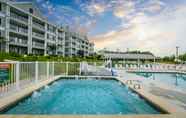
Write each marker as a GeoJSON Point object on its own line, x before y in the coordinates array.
{"type": "Point", "coordinates": [170, 79]}
{"type": "Point", "coordinates": [84, 97]}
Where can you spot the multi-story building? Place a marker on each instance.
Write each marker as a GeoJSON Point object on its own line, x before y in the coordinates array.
{"type": "Point", "coordinates": [24, 30]}
{"type": "Point", "coordinates": [77, 44]}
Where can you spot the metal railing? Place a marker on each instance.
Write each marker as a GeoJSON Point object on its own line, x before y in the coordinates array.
{"type": "Point", "coordinates": [38, 44]}
{"type": "Point", "coordinates": [18, 41]}
{"type": "Point", "coordinates": [18, 17]}
{"type": "Point", "coordinates": [15, 76]}
{"type": "Point", "coordinates": [18, 29]}
{"type": "Point", "coordinates": [38, 35]}
{"type": "Point", "coordinates": [37, 25]}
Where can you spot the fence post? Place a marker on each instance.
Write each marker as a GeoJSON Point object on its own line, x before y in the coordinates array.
{"type": "Point", "coordinates": [36, 72]}
{"type": "Point", "coordinates": [47, 70]}
{"type": "Point", "coordinates": [66, 68]}
{"type": "Point", "coordinates": [53, 69]}
{"type": "Point", "coordinates": [79, 68]}
{"type": "Point", "coordinates": [17, 75]}
{"type": "Point", "coordinates": [95, 64]}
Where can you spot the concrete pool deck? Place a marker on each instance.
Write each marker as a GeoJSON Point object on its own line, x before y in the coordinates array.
{"type": "Point", "coordinates": [162, 96]}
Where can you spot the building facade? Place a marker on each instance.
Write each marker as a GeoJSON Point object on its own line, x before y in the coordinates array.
{"type": "Point", "coordinates": [24, 30]}
{"type": "Point", "coordinates": [77, 44]}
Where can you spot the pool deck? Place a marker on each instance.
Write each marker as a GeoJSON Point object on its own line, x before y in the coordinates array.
{"type": "Point", "coordinates": [164, 97]}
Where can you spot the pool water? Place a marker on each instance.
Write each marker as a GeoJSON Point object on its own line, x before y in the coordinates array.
{"type": "Point", "coordinates": [171, 79]}
{"type": "Point", "coordinates": [84, 97]}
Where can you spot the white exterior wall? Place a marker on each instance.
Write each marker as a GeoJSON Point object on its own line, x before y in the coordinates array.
{"type": "Point", "coordinates": [30, 38]}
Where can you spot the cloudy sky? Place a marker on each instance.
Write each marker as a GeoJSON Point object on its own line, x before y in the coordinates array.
{"type": "Point", "coordinates": [148, 25]}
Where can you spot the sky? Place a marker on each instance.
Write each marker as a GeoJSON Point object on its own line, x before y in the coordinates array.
{"type": "Point", "coordinates": [147, 25]}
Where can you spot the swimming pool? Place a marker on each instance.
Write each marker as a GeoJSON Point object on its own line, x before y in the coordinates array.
{"type": "Point", "coordinates": [175, 80]}
{"type": "Point", "coordinates": [91, 96]}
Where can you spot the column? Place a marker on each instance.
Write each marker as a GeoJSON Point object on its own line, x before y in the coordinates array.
{"type": "Point", "coordinates": [29, 34]}
{"type": "Point", "coordinates": [56, 32]}
{"type": "Point", "coordinates": [45, 53]}
{"type": "Point", "coordinates": [7, 26]}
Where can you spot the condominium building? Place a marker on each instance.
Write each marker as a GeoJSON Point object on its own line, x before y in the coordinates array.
{"type": "Point", "coordinates": [77, 44]}
{"type": "Point", "coordinates": [24, 30]}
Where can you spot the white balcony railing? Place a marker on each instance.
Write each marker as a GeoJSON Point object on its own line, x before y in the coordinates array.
{"type": "Point", "coordinates": [36, 25]}
{"type": "Point", "coordinates": [36, 44]}
{"type": "Point", "coordinates": [38, 35]}
{"type": "Point", "coordinates": [18, 41]}
{"type": "Point", "coordinates": [19, 18]}
{"type": "Point", "coordinates": [18, 29]}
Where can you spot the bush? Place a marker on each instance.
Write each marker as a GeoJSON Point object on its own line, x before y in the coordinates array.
{"type": "Point", "coordinates": [16, 57]}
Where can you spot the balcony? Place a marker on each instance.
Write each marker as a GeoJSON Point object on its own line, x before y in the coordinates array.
{"type": "Point", "coordinates": [60, 49]}
{"type": "Point", "coordinates": [17, 41]}
{"type": "Point", "coordinates": [38, 45]}
{"type": "Point", "coordinates": [38, 26]}
{"type": "Point", "coordinates": [18, 18]}
{"type": "Point", "coordinates": [37, 35]}
{"type": "Point", "coordinates": [60, 42]}
{"type": "Point", "coordinates": [61, 36]}
{"type": "Point", "coordinates": [18, 29]}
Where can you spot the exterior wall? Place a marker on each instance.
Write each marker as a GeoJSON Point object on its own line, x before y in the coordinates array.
{"type": "Point", "coordinates": [77, 44]}
{"type": "Point", "coordinates": [26, 33]}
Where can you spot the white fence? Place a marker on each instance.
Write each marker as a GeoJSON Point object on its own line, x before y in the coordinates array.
{"type": "Point", "coordinates": [18, 75]}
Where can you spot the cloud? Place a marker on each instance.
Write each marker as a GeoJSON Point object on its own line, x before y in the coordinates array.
{"type": "Point", "coordinates": [123, 9]}
{"type": "Point", "coordinates": [154, 6]}
{"type": "Point", "coordinates": [92, 8]}
{"type": "Point", "coordinates": [159, 34]}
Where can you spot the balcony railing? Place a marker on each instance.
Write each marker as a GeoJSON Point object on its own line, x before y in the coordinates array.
{"type": "Point", "coordinates": [18, 29]}
{"type": "Point", "coordinates": [17, 41]}
{"type": "Point", "coordinates": [39, 26]}
{"type": "Point", "coordinates": [36, 44]}
{"type": "Point", "coordinates": [38, 35]}
{"type": "Point", "coordinates": [17, 17]}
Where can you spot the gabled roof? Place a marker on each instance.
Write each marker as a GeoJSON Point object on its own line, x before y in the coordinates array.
{"type": "Point", "coordinates": [27, 5]}
{"type": "Point", "coordinates": [127, 55]}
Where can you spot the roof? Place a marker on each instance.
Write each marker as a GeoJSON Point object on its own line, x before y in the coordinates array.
{"type": "Point", "coordinates": [126, 55]}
